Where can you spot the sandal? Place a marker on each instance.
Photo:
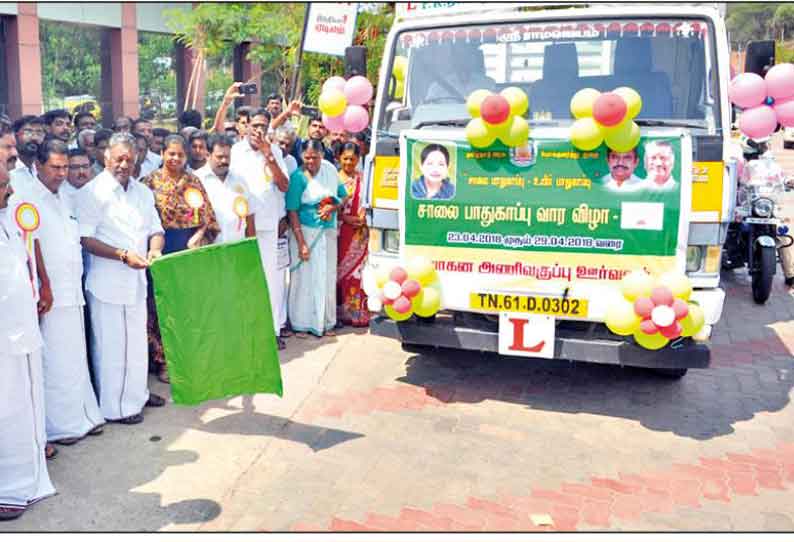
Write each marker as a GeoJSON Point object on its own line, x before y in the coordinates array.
{"type": "Point", "coordinates": [301, 335]}
{"type": "Point", "coordinates": [285, 333]}
{"type": "Point", "coordinates": [162, 375]}
{"type": "Point", "coordinates": [330, 333]}
{"type": "Point", "coordinates": [50, 451]}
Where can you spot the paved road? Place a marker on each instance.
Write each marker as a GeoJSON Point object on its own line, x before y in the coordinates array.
{"type": "Point", "coordinates": [368, 437]}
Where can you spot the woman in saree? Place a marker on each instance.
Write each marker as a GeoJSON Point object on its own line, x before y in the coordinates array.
{"type": "Point", "coordinates": [188, 220]}
{"type": "Point", "coordinates": [353, 242]}
{"type": "Point", "coordinates": [313, 199]}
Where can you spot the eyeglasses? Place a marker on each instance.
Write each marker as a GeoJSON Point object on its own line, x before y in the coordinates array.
{"type": "Point", "coordinates": [30, 132]}
{"type": "Point", "coordinates": [79, 167]}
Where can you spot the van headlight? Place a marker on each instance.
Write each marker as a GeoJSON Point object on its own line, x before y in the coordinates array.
{"type": "Point", "coordinates": [763, 207]}
{"type": "Point", "coordinates": [391, 240]}
{"type": "Point", "coordinates": [694, 256]}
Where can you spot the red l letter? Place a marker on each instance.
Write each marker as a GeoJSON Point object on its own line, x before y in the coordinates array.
{"type": "Point", "coordinates": [518, 337]}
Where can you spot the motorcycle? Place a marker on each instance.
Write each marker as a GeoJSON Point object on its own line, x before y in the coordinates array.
{"type": "Point", "coordinates": [756, 236]}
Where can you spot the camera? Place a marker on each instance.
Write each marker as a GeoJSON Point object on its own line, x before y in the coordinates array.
{"type": "Point", "coordinates": [310, 111]}
{"type": "Point", "coordinates": [248, 88]}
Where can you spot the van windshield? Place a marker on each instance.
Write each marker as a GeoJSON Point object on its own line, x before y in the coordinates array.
{"type": "Point", "coordinates": [670, 62]}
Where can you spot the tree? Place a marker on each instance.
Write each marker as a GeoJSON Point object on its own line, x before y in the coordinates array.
{"type": "Point", "coordinates": [71, 63]}
{"type": "Point", "coordinates": [783, 20]}
{"type": "Point", "coordinates": [748, 21]}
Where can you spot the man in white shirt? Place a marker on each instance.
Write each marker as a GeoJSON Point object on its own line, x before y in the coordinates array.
{"type": "Point", "coordinates": [152, 161]}
{"type": "Point", "coordinates": [120, 227]}
{"type": "Point", "coordinates": [621, 176]}
{"type": "Point", "coordinates": [659, 162]}
{"type": "Point", "coordinates": [24, 479]}
{"type": "Point", "coordinates": [285, 138]}
{"type": "Point", "coordinates": [70, 405]}
{"type": "Point", "coordinates": [261, 165]}
{"type": "Point", "coordinates": [229, 195]}
{"type": "Point", "coordinates": [29, 132]}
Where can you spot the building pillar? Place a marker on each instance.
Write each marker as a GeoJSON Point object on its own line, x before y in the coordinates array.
{"type": "Point", "coordinates": [23, 61]}
{"type": "Point", "coordinates": [124, 63]}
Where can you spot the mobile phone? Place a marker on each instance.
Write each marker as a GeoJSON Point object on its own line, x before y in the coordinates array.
{"type": "Point", "coordinates": [249, 88]}
{"type": "Point", "coordinates": [310, 111]}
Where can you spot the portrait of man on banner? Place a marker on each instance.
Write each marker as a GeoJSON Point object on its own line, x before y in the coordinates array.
{"type": "Point", "coordinates": [622, 167]}
{"type": "Point", "coordinates": [659, 163]}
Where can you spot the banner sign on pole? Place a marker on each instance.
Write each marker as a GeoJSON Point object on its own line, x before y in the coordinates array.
{"type": "Point", "coordinates": [330, 27]}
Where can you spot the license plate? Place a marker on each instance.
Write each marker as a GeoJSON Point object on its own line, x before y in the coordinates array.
{"type": "Point", "coordinates": [754, 220]}
{"type": "Point", "coordinates": [535, 304]}
{"type": "Point", "coordinates": [527, 335]}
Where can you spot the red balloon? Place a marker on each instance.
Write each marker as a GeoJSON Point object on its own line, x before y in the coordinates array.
{"type": "Point", "coordinates": [411, 288]}
{"type": "Point", "coordinates": [402, 304]}
{"type": "Point", "coordinates": [681, 308]}
{"type": "Point", "coordinates": [495, 109]}
{"type": "Point", "coordinates": [643, 307]}
{"type": "Point", "coordinates": [398, 275]}
{"type": "Point", "coordinates": [671, 332]}
{"type": "Point", "coordinates": [648, 327]}
{"type": "Point", "coordinates": [385, 300]}
{"type": "Point", "coordinates": [609, 109]}
{"type": "Point", "coordinates": [661, 295]}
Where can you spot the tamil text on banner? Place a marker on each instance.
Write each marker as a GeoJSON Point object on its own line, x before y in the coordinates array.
{"type": "Point", "coordinates": [330, 27]}
{"type": "Point", "coordinates": [544, 218]}
{"type": "Point", "coordinates": [215, 321]}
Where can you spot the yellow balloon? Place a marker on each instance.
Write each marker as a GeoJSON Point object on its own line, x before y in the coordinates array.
{"type": "Point", "coordinates": [693, 322]}
{"type": "Point", "coordinates": [400, 68]}
{"type": "Point", "coordinates": [428, 302]}
{"type": "Point", "coordinates": [399, 89]}
{"type": "Point", "coordinates": [651, 342]}
{"type": "Point", "coordinates": [582, 103]}
{"type": "Point", "coordinates": [621, 318]}
{"type": "Point", "coordinates": [516, 132]}
{"type": "Point", "coordinates": [586, 135]}
{"type": "Point", "coordinates": [333, 102]}
{"type": "Point", "coordinates": [474, 102]}
{"type": "Point", "coordinates": [517, 98]}
{"type": "Point", "coordinates": [381, 277]}
{"type": "Point", "coordinates": [636, 284]}
{"type": "Point", "coordinates": [678, 283]}
{"type": "Point", "coordinates": [479, 133]}
{"type": "Point", "coordinates": [422, 271]}
{"type": "Point", "coordinates": [396, 316]}
{"type": "Point", "coordinates": [633, 100]}
{"type": "Point", "coordinates": [624, 137]}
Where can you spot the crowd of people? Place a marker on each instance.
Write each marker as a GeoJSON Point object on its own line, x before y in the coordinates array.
{"type": "Point", "coordinates": [85, 210]}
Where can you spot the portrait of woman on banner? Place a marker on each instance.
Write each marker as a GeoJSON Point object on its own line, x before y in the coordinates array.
{"type": "Point", "coordinates": [434, 183]}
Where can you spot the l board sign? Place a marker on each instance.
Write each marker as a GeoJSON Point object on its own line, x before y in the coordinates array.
{"type": "Point", "coordinates": [414, 10]}
{"type": "Point", "coordinates": [330, 27]}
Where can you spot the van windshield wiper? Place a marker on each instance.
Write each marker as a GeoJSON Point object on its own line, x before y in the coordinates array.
{"type": "Point", "coordinates": [670, 123]}
{"type": "Point", "coordinates": [447, 122]}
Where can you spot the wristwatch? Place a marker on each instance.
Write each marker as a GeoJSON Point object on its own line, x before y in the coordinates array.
{"type": "Point", "coordinates": [123, 256]}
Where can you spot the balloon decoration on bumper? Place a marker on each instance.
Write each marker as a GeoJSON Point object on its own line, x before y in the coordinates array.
{"type": "Point", "coordinates": [497, 116]}
{"type": "Point", "coordinates": [605, 118]}
{"type": "Point", "coordinates": [656, 311]}
{"type": "Point", "coordinates": [343, 103]}
{"type": "Point", "coordinates": [766, 101]}
{"type": "Point", "coordinates": [403, 291]}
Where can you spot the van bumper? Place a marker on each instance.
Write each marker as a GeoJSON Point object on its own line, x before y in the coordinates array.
{"type": "Point", "coordinates": [575, 341]}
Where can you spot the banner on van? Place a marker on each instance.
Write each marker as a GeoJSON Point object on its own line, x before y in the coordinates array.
{"type": "Point", "coordinates": [545, 213]}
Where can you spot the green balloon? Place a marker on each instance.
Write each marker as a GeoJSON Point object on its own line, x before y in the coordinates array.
{"type": "Point", "coordinates": [479, 134]}
{"type": "Point", "coordinates": [623, 138]}
{"type": "Point", "coordinates": [428, 302]}
{"type": "Point", "coordinates": [651, 342]}
{"type": "Point", "coordinates": [516, 133]}
{"type": "Point", "coordinates": [586, 134]}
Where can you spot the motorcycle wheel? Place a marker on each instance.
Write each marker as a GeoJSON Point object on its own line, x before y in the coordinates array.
{"type": "Point", "coordinates": [762, 279]}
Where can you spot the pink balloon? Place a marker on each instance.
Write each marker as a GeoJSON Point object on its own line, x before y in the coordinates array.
{"type": "Point", "coordinates": [402, 304]}
{"type": "Point", "coordinates": [358, 90]}
{"type": "Point", "coordinates": [334, 82]}
{"type": "Point", "coordinates": [747, 90]}
{"type": "Point", "coordinates": [356, 118]}
{"type": "Point", "coordinates": [785, 111]}
{"type": "Point", "coordinates": [780, 81]}
{"type": "Point", "coordinates": [334, 124]}
{"type": "Point", "coordinates": [758, 122]}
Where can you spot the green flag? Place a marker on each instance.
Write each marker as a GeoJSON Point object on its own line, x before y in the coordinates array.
{"type": "Point", "coordinates": [216, 324]}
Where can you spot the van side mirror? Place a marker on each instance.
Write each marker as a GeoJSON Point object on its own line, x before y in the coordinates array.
{"type": "Point", "coordinates": [759, 56]}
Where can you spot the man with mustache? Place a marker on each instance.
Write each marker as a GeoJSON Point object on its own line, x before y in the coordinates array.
{"type": "Point", "coordinates": [23, 467]}
{"type": "Point", "coordinates": [659, 162]}
{"type": "Point", "coordinates": [70, 405]}
{"type": "Point", "coordinates": [121, 229]}
{"type": "Point", "coordinates": [29, 132]}
{"type": "Point", "coordinates": [621, 171]}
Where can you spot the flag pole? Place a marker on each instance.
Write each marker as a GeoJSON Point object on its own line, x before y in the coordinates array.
{"type": "Point", "coordinates": [299, 55]}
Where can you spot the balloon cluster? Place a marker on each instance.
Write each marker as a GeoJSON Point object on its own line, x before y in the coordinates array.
{"type": "Point", "coordinates": [399, 69]}
{"type": "Point", "coordinates": [497, 116]}
{"type": "Point", "coordinates": [766, 101]}
{"type": "Point", "coordinates": [605, 117]}
{"type": "Point", "coordinates": [342, 103]}
{"type": "Point", "coordinates": [656, 312]}
{"type": "Point", "coordinates": [404, 291]}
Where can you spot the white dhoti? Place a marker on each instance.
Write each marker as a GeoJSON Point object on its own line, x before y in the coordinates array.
{"type": "Point", "coordinates": [70, 404]}
{"type": "Point", "coordinates": [23, 467]}
{"type": "Point", "coordinates": [268, 251]}
{"type": "Point", "coordinates": [120, 357]}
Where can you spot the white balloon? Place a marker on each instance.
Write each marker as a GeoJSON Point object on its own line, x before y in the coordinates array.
{"type": "Point", "coordinates": [392, 290]}
{"type": "Point", "coordinates": [374, 304]}
{"type": "Point", "coordinates": [663, 316]}
{"type": "Point", "coordinates": [368, 283]}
